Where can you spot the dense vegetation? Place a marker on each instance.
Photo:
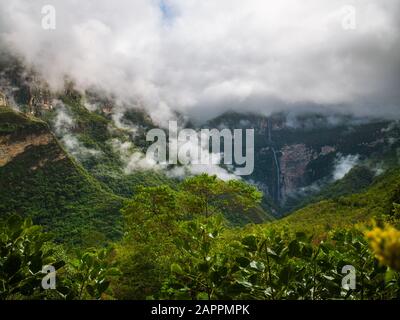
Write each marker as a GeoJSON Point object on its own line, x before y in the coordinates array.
{"type": "Point", "coordinates": [77, 223]}
{"type": "Point", "coordinates": [110, 234]}
{"type": "Point", "coordinates": [178, 245]}
{"type": "Point", "coordinates": [48, 185]}
{"type": "Point", "coordinates": [77, 197]}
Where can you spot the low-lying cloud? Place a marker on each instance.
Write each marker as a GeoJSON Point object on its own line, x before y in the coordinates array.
{"type": "Point", "coordinates": [344, 164]}
{"type": "Point", "coordinates": [205, 57]}
{"type": "Point", "coordinates": [135, 160]}
{"type": "Point", "coordinates": [64, 125]}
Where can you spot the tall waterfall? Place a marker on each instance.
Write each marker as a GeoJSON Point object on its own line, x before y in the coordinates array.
{"type": "Point", "coordinates": [277, 167]}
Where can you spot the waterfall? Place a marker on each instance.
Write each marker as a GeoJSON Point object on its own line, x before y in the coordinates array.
{"type": "Point", "coordinates": [278, 175]}
{"type": "Point", "coordinates": [277, 167]}
{"type": "Point", "coordinates": [269, 131]}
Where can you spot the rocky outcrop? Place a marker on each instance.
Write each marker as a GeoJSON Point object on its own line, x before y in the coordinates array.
{"type": "Point", "coordinates": [326, 150]}
{"type": "Point", "coordinates": [293, 164]}
{"type": "Point", "coordinates": [40, 100]}
{"type": "Point", "coordinates": [3, 100]}
{"type": "Point", "coordinates": [10, 148]}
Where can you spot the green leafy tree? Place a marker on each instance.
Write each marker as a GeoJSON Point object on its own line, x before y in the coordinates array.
{"type": "Point", "coordinates": [207, 195]}
{"type": "Point", "coordinates": [25, 249]}
{"type": "Point", "coordinates": [90, 274]}
{"type": "Point", "coordinates": [23, 254]}
{"type": "Point", "coordinates": [199, 269]}
{"type": "Point", "coordinates": [151, 218]}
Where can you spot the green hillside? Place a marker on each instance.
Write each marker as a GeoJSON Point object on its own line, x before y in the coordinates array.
{"type": "Point", "coordinates": [76, 198]}
{"type": "Point", "coordinates": [173, 241]}
{"type": "Point", "coordinates": [95, 131]}
{"type": "Point", "coordinates": [44, 182]}
{"type": "Point", "coordinates": [340, 211]}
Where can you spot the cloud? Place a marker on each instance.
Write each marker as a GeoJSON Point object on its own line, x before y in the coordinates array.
{"type": "Point", "coordinates": [204, 57]}
{"type": "Point", "coordinates": [344, 164]}
{"type": "Point", "coordinates": [63, 122]}
{"type": "Point", "coordinates": [132, 158]}
{"type": "Point", "coordinates": [63, 125]}
{"type": "Point", "coordinates": [200, 160]}
{"type": "Point", "coordinates": [77, 149]}
{"type": "Point", "coordinates": [135, 160]}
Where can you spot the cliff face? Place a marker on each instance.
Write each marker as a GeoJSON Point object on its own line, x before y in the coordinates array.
{"type": "Point", "coordinates": [20, 133]}
{"type": "Point", "coordinates": [293, 163]}
{"type": "Point", "coordinates": [294, 152]}
{"type": "Point", "coordinates": [3, 100]}
{"type": "Point", "coordinates": [10, 147]}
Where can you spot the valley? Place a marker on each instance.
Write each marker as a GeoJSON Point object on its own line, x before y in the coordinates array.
{"type": "Point", "coordinates": [167, 151]}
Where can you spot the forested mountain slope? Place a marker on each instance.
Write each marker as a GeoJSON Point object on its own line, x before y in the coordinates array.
{"type": "Point", "coordinates": [373, 202]}
{"type": "Point", "coordinates": [39, 179]}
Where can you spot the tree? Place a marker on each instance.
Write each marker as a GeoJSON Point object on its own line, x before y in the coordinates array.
{"type": "Point", "coordinates": [23, 254]}
{"type": "Point", "coordinates": [199, 271]}
{"type": "Point", "coordinates": [166, 228]}
{"type": "Point", "coordinates": [207, 195]}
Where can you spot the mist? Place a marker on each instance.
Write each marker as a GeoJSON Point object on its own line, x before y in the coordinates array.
{"type": "Point", "coordinates": [344, 164]}
{"type": "Point", "coordinates": [63, 125]}
{"type": "Point", "coordinates": [202, 58]}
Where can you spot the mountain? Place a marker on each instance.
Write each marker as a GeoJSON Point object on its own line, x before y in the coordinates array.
{"type": "Point", "coordinates": [74, 162]}
{"type": "Point", "coordinates": [71, 168]}
{"type": "Point", "coordinates": [373, 202]}
{"type": "Point", "coordinates": [297, 156]}
{"type": "Point", "coordinates": [38, 178]}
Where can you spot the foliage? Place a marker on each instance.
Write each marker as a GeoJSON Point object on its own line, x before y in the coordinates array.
{"type": "Point", "coordinates": [163, 224]}
{"type": "Point", "coordinates": [46, 184]}
{"type": "Point", "coordinates": [90, 273]}
{"type": "Point", "coordinates": [22, 258]}
{"type": "Point", "coordinates": [151, 222]}
{"type": "Point", "coordinates": [277, 265]}
{"type": "Point", "coordinates": [207, 195]}
{"type": "Point", "coordinates": [197, 272]}
{"type": "Point", "coordinates": [178, 245]}
{"type": "Point", "coordinates": [376, 201]}
{"type": "Point", "coordinates": [25, 250]}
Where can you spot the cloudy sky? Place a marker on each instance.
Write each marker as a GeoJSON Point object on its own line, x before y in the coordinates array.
{"type": "Point", "coordinates": [203, 57]}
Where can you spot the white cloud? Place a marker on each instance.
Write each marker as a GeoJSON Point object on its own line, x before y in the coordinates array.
{"type": "Point", "coordinates": [134, 160]}
{"type": "Point", "coordinates": [204, 57]}
{"type": "Point", "coordinates": [344, 164]}
{"type": "Point", "coordinates": [64, 124]}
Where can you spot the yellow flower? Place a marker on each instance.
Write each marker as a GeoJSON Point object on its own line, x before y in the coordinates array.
{"type": "Point", "coordinates": [386, 245]}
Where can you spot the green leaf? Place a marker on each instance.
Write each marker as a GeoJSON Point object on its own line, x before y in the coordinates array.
{"type": "Point", "coordinates": [14, 223]}
{"type": "Point", "coordinates": [59, 264]}
{"type": "Point", "coordinates": [12, 264]}
{"type": "Point", "coordinates": [301, 236]}
{"type": "Point", "coordinates": [202, 296]}
{"type": "Point", "coordinates": [90, 289]}
{"type": "Point", "coordinates": [250, 242]}
{"type": "Point", "coordinates": [294, 248]}
{"type": "Point", "coordinates": [176, 268]}
{"type": "Point", "coordinates": [243, 261]}
{"type": "Point", "coordinates": [204, 267]}
{"type": "Point", "coordinates": [285, 274]}
{"type": "Point", "coordinates": [245, 284]}
{"type": "Point", "coordinates": [36, 262]}
{"type": "Point", "coordinates": [103, 286]}
{"type": "Point", "coordinates": [259, 266]}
